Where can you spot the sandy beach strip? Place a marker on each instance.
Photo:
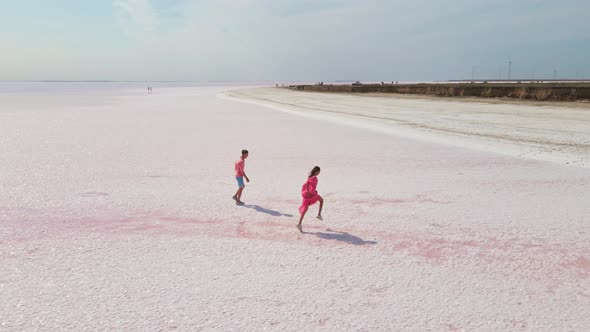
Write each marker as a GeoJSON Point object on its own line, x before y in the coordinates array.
{"type": "Point", "coordinates": [555, 133]}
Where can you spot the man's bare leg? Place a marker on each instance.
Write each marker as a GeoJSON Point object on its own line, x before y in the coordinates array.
{"type": "Point", "coordinates": [238, 196]}
{"type": "Point", "coordinates": [241, 190]}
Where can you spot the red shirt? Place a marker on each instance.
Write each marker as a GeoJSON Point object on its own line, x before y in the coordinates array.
{"type": "Point", "coordinates": [239, 167]}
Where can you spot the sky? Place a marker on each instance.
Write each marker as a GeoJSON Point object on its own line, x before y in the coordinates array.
{"type": "Point", "coordinates": [288, 40]}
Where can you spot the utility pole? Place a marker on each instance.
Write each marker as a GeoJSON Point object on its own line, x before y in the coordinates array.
{"type": "Point", "coordinates": [554, 73]}
{"type": "Point", "coordinates": [509, 68]}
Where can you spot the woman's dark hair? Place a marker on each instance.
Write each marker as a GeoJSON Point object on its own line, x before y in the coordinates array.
{"type": "Point", "coordinates": [244, 151]}
{"type": "Point", "coordinates": [314, 170]}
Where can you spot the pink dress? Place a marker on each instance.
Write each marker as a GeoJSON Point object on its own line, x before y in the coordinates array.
{"type": "Point", "coordinates": [309, 194]}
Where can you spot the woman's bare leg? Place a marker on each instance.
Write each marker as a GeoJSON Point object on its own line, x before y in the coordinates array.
{"type": "Point", "coordinates": [299, 227]}
{"type": "Point", "coordinates": [321, 206]}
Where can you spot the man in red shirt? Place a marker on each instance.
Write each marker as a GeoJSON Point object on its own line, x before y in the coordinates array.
{"type": "Point", "coordinates": [240, 175]}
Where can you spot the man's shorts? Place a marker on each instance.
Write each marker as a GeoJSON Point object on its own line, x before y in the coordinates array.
{"type": "Point", "coordinates": [240, 180]}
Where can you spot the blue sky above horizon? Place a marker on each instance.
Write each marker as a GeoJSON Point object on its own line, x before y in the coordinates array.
{"type": "Point", "coordinates": [293, 40]}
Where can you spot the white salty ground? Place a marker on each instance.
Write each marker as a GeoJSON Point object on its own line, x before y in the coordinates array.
{"type": "Point", "coordinates": [115, 213]}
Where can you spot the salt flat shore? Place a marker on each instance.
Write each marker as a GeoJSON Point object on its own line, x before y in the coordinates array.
{"type": "Point", "coordinates": [555, 133]}
{"type": "Point", "coordinates": [116, 213]}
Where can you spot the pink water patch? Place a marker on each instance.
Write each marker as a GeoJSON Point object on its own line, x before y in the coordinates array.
{"type": "Point", "coordinates": [582, 264]}
{"type": "Point", "coordinates": [453, 328]}
{"type": "Point", "coordinates": [425, 246]}
{"type": "Point", "coordinates": [478, 248]}
{"type": "Point", "coordinates": [241, 230]}
{"type": "Point", "coordinates": [180, 220]}
{"type": "Point", "coordinates": [157, 224]}
{"type": "Point", "coordinates": [194, 227]}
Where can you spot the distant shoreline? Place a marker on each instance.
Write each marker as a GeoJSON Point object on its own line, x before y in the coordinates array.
{"type": "Point", "coordinates": [143, 81]}
{"type": "Point", "coordinates": [583, 104]}
{"type": "Point", "coordinates": [531, 91]}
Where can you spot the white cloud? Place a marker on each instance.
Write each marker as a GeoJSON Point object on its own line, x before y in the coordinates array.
{"type": "Point", "coordinates": [303, 39]}
{"type": "Point", "coordinates": [136, 17]}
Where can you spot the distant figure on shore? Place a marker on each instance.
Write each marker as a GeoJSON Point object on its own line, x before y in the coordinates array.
{"type": "Point", "coordinates": [310, 196]}
{"type": "Point", "coordinates": [240, 175]}
{"type": "Point", "coordinates": [149, 88]}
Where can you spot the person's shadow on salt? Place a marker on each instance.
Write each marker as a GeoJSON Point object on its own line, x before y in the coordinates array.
{"type": "Point", "coordinates": [267, 211]}
{"type": "Point", "coordinates": [341, 236]}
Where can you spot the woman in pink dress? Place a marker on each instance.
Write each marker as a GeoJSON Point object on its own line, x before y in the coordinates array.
{"type": "Point", "coordinates": [310, 196]}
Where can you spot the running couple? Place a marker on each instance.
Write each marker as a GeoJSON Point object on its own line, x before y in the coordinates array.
{"type": "Point", "coordinates": [308, 190]}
